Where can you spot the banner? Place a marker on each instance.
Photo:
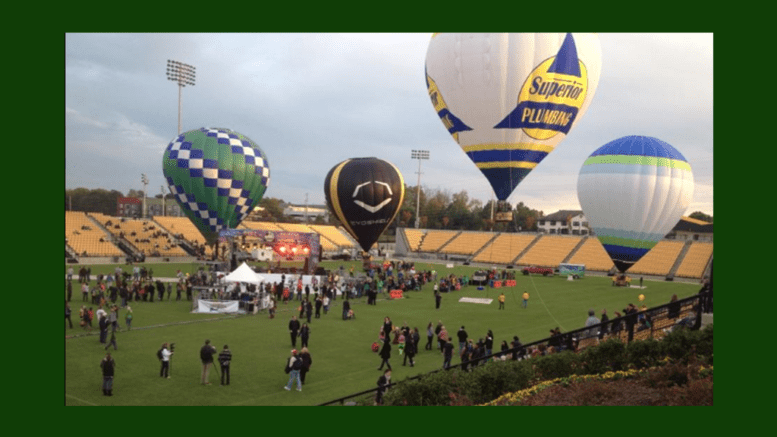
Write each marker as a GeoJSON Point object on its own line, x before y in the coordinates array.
{"type": "Point", "coordinates": [220, 307]}
{"type": "Point", "coordinates": [476, 300]}
{"type": "Point", "coordinates": [571, 269]}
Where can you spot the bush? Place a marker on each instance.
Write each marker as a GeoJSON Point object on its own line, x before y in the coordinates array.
{"type": "Point", "coordinates": [608, 355]}
{"type": "Point", "coordinates": [557, 365]}
{"type": "Point", "coordinates": [644, 353]}
{"type": "Point", "coordinates": [684, 344]}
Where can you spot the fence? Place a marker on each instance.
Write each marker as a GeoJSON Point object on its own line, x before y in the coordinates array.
{"type": "Point", "coordinates": [683, 313]}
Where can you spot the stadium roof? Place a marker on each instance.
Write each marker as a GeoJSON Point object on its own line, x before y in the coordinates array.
{"type": "Point", "coordinates": [689, 224]}
{"type": "Point", "coordinates": [562, 215]}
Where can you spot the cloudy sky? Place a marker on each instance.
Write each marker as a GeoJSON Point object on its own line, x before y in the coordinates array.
{"type": "Point", "coordinates": [313, 100]}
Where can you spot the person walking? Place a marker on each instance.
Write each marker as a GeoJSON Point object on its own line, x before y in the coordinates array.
{"type": "Point", "coordinates": [108, 366]}
{"type": "Point", "coordinates": [502, 301]}
{"type": "Point", "coordinates": [319, 304]}
{"type": "Point", "coordinates": [225, 359]}
{"type": "Point", "coordinates": [385, 353]}
{"type": "Point", "coordinates": [112, 341]}
{"type": "Point", "coordinates": [295, 366]}
{"type": "Point", "coordinates": [304, 335]}
{"type": "Point", "coordinates": [206, 356]}
{"type": "Point", "coordinates": [410, 350]}
{"type": "Point", "coordinates": [68, 312]}
{"type": "Point", "coordinates": [294, 330]}
{"type": "Point", "coordinates": [165, 355]}
{"type": "Point", "coordinates": [525, 301]}
{"type": "Point", "coordinates": [383, 384]}
{"type": "Point", "coordinates": [306, 362]}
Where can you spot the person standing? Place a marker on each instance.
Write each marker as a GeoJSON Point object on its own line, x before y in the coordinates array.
{"type": "Point", "coordinates": [128, 318]}
{"type": "Point", "coordinates": [442, 337]}
{"type": "Point", "coordinates": [306, 362]}
{"type": "Point", "coordinates": [387, 326]}
{"type": "Point", "coordinates": [84, 292]}
{"type": "Point", "coordinates": [225, 359]}
{"type": "Point", "coordinates": [489, 343]}
{"type": "Point", "coordinates": [304, 335]}
{"type": "Point", "coordinates": [108, 366]}
{"type": "Point", "coordinates": [437, 299]}
{"type": "Point", "coordinates": [447, 350]}
{"type": "Point", "coordinates": [69, 290]}
{"type": "Point", "coordinates": [294, 330]}
{"type": "Point", "coordinates": [165, 353]}
{"type": "Point", "coordinates": [462, 334]}
{"type": "Point", "coordinates": [502, 301]}
{"type": "Point", "coordinates": [429, 337]}
{"type": "Point", "coordinates": [525, 301]}
{"type": "Point", "coordinates": [206, 356]}
{"type": "Point", "coordinates": [385, 353]}
{"type": "Point", "coordinates": [308, 309]}
{"type": "Point", "coordinates": [605, 318]}
{"type": "Point", "coordinates": [319, 303]}
{"type": "Point", "coordinates": [383, 384]}
{"type": "Point", "coordinates": [410, 350]}
{"type": "Point", "coordinates": [295, 364]}
{"type": "Point", "coordinates": [102, 323]}
{"type": "Point", "coordinates": [68, 312]}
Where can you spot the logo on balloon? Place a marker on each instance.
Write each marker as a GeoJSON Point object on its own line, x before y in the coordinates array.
{"type": "Point", "coordinates": [551, 96]}
{"type": "Point", "coordinates": [371, 208]}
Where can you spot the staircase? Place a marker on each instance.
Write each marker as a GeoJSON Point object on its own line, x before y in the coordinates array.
{"type": "Point", "coordinates": [488, 243]}
{"type": "Point", "coordinates": [572, 253]}
{"type": "Point", "coordinates": [679, 260]}
{"type": "Point", "coordinates": [523, 252]}
{"type": "Point", "coordinates": [449, 241]}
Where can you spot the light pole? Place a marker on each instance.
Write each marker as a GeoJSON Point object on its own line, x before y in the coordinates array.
{"type": "Point", "coordinates": [183, 74]}
{"type": "Point", "coordinates": [419, 155]}
{"type": "Point", "coordinates": [164, 212]}
{"type": "Point", "coordinates": [144, 179]}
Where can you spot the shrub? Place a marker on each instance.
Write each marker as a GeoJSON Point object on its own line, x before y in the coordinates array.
{"type": "Point", "coordinates": [644, 353]}
{"type": "Point", "coordinates": [556, 365]}
{"type": "Point", "coordinates": [607, 356]}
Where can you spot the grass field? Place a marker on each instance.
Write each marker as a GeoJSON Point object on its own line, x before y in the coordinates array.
{"type": "Point", "coordinates": [342, 360]}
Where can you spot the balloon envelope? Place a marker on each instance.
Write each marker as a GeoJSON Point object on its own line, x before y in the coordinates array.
{"type": "Point", "coordinates": [633, 191]}
{"type": "Point", "coordinates": [217, 177]}
{"type": "Point", "coordinates": [510, 99]}
{"type": "Point", "coordinates": [365, 194]}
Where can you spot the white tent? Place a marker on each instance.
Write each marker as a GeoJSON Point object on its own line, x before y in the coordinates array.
{"type": "Point", "coordinates": [244, 273]}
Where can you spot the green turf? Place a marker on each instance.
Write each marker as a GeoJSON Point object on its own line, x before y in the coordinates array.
{"type": "Point", "coordinates": [342, 360]}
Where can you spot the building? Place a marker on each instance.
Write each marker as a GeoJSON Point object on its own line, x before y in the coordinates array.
{"type": "Point", "coordinates": [691, 229]}
{"type": "Point", "coordinates": [564, 222]}
{"type": "Point", "coordinates": [306, 213]}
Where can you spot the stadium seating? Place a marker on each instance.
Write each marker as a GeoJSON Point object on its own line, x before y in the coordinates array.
{"type": "Point", "coordinates": [504, 248]}
{"type": "Point", "coordinates": [182, 227]}
{"type": "Point", "coordinates": [148, 237]}
{"type": "Point", "coordinates": [659, 260]}
{"type": "Point", "coordinates": [695, 261]}
{"type": "Point", "coordinates": [435, 239]}
{"type": "Point", "coordinates": [84, 236]}
{"type": "Point", "coordinates": [414, 237]}
{"type": "Point", "coordinates": [593, 255]}
{"type": "Point", "coordinates": [549, 251]}
{"type": "Point", "coordinates": [334, 234]}
{"type": "Point", "coordinates": [467, 243]}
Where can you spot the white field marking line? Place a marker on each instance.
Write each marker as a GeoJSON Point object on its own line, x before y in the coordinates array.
{"type": "Point", "coordinates": [543, 304]}
{"type": "Point", "coordinates": [80, 400]}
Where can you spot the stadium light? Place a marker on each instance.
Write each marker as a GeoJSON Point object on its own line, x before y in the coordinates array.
{"type": "Point", "coordinates": [419, 155]}
{"type": "Point", "coordinates": [144, 179]}
{"type": "Point", "coordinates": [184, 75]}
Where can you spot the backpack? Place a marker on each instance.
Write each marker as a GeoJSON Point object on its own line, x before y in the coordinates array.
{"type": "Point", "coordinates": [159, 354]}
{"type": "Point", "coordinates": [297, 364]}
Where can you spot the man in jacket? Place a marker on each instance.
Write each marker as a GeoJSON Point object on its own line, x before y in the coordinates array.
{"type": "Point", "coordinates": [108, 366]}
{"type": "Point", "coordinates": [294, 326]}
{"type": "Point", "coordinates": [225, 359]}
{"type": "Point", "coordinates": [206, 356]}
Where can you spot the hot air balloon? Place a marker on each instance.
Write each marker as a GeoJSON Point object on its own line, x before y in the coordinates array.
{"type": "Point", "coordinates": [510, 99]}
{"type": "Point", "coordinates": [365, 194]}
{"type": "Point", "coordinates": [217, 177]}
{"type": "Point", "coordinates": [633, 191]}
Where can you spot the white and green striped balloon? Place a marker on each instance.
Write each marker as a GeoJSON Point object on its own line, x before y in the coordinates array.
{"type": "Point", "coordinates": [633, 191]}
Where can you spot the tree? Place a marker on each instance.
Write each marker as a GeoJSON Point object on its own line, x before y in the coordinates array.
{"type": "Point", "coordinates": [273, 210]}
{"type": "Point", "coordinates": [698, 215]}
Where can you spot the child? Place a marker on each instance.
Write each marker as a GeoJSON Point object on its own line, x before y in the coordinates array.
{"type": "Point", "coordinates": [128, 318]}
{"type": "Point", "coordinates": [401, 343]}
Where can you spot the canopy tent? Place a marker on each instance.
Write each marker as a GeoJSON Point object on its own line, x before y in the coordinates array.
{"type": "Point", "coordinates": [244, 273]}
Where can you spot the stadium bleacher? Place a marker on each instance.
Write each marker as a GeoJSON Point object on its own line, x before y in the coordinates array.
{"type": "Point", "coordinates": [695, 261]}
{"type": "Point", "coordinates": [435, 239]}
{"type": "Point", "coordinates": [86, 238]}
{"type": "Point", "coordinates": [504, 248]}
{"type": "Point", "coordinates": [549, 251]}
{"type": "Point", "coordinates": [183, 227]}
{"type": "Point", "coordinates": [659, 260]}
{"type": "Point", "coordinates": [593, 255]}
{"type": "Point", "coordinates": [467, 243]}
{"type": "Point", "coordinates": [148, 237]}
{"type": "Point", "coordinates": [414, 237]}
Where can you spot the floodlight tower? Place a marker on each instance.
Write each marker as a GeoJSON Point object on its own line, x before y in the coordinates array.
{"type": "Point", "coordinates": [183, 74]}
{"type": "Point", "coordinates": [419, 155]}
{"type": "Point", "coordinates": [144, 179]}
